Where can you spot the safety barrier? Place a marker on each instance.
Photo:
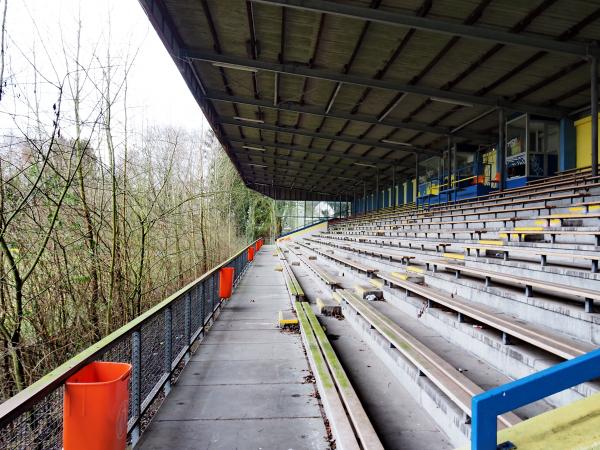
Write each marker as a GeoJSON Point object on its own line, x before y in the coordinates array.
{"type": "Point", "coordinates": [444, 184]}
{"type": "Point", "coordinates": [156, 344]}
{"type": "Point", "coordinates": [488, 405]}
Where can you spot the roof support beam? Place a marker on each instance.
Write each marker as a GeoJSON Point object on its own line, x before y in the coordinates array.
{"type": "Point", "coordinates": [317, 111]}
{"type": "Point", "coordinates": [305, 71]}
{"type": "Point", "coordinates": [275, 174]}
{"type": "Point", "coordinates": [311, 195]}
{"type": "Point", "coordinates": [269, 178]}
{"type": "Point", "coordinates": [299, 170]}
{"type": "Point", "coordinates": [327, 176]}
{"type": "Point", "coordinates": [301, 161]}
{"type": "Point", "coordinates": [366, 175]}
{"type": "Point", "coordinates": [437, 26]}
{"type": "Point", "coordinates": [330, 137]}
{"type": "Point", "coordinates": [298, 148]}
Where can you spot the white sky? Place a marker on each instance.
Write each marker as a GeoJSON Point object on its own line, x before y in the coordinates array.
{"type": "Point", "coordinates": [156, 92]}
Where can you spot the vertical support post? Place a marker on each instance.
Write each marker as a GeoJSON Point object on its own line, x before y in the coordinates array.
{"type": "Point", "coordinates": [483, 426]}
{"type": "Point", "coordinates": [393, 202]}
{"type": "Point", "coordinates": [377, 190]}
{"type": "Point", "coordinates": [168, 348]}
{"type": "Point", "coordinates": [416, 178]}
{"type": "Point", "coordinates": [501, 151]}
{"type": "Point", "coordinates": [136, 384]}
{"type": "Point", "coordinates": [455, 176]}
{"type": "Point", "coordinates": [439, 180]}
{"type": "Point", "coordinates": [443, 163]}
{"type": "Point", "coordinates": [188, 325]}
{"type": "Point", "coordinates": [594, 111]}
{"type": "Point", "coordinates": [364, 209]}
{"type": "Point", "coordinates": [210, 296]}
{"type": "Point", "coordinates": [202, 306]}
{"type": "Point", "coordinates": [449, 166]}
{"type": "Point", "coordinates": [215, 292]}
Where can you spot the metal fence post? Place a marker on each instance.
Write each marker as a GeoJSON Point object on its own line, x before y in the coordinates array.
{"type": "Point", "coordinates": [216, 296]}
{"type": "Point", "coordinates": [212, 297]}
{"type": "Point", "coordinates": [188, 325]}
{"type": "Point", "coordinates": [168, 348]}
{"type": "Point", "coordinates": [136, 386]}
{"type": "Point", "coordinates": [202, 306]}
{"type": "Point", "coordinates": [236, 273]}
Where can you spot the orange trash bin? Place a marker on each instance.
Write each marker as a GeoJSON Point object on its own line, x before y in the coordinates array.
{"type": "Point", "coordinates": [226, 282]}
{"type": "Point", "coordinates": [250, 253]}
{"type": "Point", "coordinates": [96, 407]}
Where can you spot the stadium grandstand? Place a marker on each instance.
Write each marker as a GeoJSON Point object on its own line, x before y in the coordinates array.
{"type": "Point", "coordinates": [436, 282]}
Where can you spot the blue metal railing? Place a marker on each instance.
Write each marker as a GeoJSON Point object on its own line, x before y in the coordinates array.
{"type": "Point", "coordinates": [487, 406]}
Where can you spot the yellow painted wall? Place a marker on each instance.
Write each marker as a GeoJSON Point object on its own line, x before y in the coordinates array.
{"type": "Point", "coordinates": [414, 182]}
{"type": "Point", "coordinates": [583, 130]}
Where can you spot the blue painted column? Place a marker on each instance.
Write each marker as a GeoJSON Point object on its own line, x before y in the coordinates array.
{"type": "Point", "coordinates": [409, 191]}
{"type": "Point", "coordinates": [501, 152]}
{"type": "Point", "coordinates": [567, 156]}
{"type": "Point", "coordinates": [377, 194]}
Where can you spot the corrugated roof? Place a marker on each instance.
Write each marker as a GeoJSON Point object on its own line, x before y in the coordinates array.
{"type": "Point", "coordinates": [314, 130]}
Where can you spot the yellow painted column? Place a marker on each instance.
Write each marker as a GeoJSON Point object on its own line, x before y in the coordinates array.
{"type": "Point", "coordinates": [583, 130]}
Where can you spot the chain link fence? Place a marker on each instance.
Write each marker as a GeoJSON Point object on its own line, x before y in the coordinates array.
{"type": "Point", "coordinates": [156, 344]}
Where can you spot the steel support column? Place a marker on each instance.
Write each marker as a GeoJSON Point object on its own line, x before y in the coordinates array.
{"type": "Point", "coordinates": [393, 202]}
{"type": "Point", "coordinates": [594, 111]}
{"type": "Point", "coordinates": [416, 177]}
{"type": "Point", "coordinates": [377, 191]}
{"type": "Point", "coordinates": [455, 177]}
{"type": "Point", "coordinates": [501, 153]}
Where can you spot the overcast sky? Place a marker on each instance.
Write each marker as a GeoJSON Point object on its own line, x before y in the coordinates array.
{"type": "Point", "coordinates": [156, 92]}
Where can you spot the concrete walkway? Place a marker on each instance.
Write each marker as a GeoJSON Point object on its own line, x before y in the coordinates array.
{"type": "Point", "coordinates": [243, 388]}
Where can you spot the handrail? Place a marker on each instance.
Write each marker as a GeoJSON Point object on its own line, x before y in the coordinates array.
{"type": "Point", "coordinates": [509, 396]}
{"type": "Point", "coordinates": [24, 401]}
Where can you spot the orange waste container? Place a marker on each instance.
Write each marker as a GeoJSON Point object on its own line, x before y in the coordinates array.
{"type": "Point", "coordinates": [226, 282]}
{"type": "Point", "coordinates": [250, 253]}
{"type": "Point", "coordinates": [96, 407]}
